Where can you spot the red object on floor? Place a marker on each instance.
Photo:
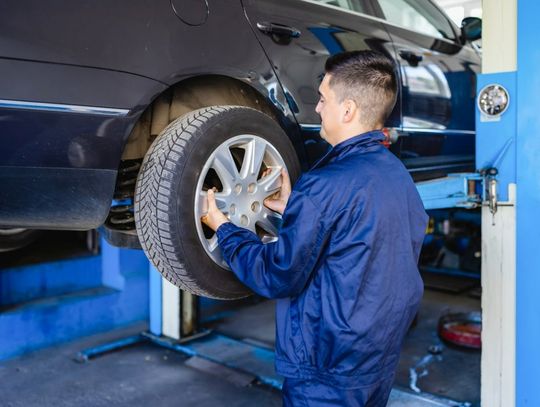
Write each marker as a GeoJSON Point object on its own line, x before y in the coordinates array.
{"type": "Point", "coordinates": [462, 329]}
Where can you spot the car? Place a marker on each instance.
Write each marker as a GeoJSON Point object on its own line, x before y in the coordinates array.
{"type": "Point", "coordinates": [120, 115]}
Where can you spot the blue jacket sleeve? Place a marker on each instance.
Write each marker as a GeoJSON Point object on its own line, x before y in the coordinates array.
{"type": "Point", "coordinates": [282, 268]}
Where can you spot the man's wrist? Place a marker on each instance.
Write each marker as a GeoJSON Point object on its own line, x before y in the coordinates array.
{"type": "Point", "coordinates": [224, 230]}
{"type": "Point", "coordinates": [221, 224]}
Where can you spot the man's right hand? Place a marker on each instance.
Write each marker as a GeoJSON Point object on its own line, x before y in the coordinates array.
{"type": "Point", "coordinates": [278, 201]}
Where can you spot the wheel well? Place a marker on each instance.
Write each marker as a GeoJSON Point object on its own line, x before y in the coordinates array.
{"type": "Point", "coordinates": [186, 96]}
{"type": "Point", "coordinates": [182, 98]}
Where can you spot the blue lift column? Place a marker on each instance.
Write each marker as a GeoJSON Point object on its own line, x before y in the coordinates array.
{"type": "Point", "coordinates": [510, 227]}
{"type": "Point", "coordinates": [528, 205]}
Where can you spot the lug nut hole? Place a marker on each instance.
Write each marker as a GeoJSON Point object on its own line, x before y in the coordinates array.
{"type": "Point", "coordinates": [256, 207]}
{"type": "Point", "coordinates": [244, 220]}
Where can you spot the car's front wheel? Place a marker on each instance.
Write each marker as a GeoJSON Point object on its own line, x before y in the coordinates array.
{"type": "Point", "coordinates": [237, 150]}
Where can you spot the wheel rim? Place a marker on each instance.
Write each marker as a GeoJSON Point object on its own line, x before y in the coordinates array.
{"type": "Point", "coordinates": [235, 168]}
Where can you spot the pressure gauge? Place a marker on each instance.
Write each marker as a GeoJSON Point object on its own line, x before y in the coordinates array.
{"type": "Point", "coordinates": [493, 100]}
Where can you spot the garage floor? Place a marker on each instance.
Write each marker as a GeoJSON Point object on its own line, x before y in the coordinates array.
{"type": "Point", "coordinates": [454, 374]}
{"type": "Point", "coordinates": [143, 375]}
{"type": "Point", "coordinates": [148, 375]}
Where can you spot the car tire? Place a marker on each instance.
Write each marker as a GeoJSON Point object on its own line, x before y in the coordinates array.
{"type": "Point", "coordinates": [198, 151]}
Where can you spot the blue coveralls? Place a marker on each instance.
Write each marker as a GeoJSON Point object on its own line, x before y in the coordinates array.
{"type": "Point", "coordinates": [345, 274]}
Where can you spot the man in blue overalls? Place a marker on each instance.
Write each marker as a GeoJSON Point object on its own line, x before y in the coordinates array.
{"type": "Point", "coordinates": [344, 269]}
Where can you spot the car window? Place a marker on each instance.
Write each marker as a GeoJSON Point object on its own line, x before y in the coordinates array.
{"type": "Point", "coordinates": [353, 5]}
{"type": "Point", "coordinates": [418, 15]}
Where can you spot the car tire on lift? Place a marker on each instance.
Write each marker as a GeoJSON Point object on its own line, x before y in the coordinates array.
{"type": "Point", "coordinates": [185, 160]}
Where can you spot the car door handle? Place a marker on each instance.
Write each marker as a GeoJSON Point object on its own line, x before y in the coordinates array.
{"type": "Point", "coordinates": [411, 57]}
{"type": "Point", "coordinates": [278, 29]}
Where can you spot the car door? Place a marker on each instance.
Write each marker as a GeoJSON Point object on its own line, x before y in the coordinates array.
{"type": "Point", "coordinates": [299, 35]}
{"type": "Point", "coordinates": [438, 87]}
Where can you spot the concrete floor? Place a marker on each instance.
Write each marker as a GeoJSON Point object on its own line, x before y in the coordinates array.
{"type": "Point", "coordinates": [455, 373]}
{"type": "Point", "coordinates": [143, 375]}
{"type": "Point", "coordinates": [148, 375]}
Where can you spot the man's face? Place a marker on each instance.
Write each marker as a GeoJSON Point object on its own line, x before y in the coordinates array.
{"type": "Point", "coordinates": [330, 110]}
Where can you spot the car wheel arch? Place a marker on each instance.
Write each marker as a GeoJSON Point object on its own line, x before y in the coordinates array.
{"type": "Point", "coordinates": [179, 99]}
{"type": "Point", "coordinates": [188, 95]}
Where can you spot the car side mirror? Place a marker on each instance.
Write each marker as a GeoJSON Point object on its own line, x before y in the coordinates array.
{"type": "Point", "coordinates": [471, 28]}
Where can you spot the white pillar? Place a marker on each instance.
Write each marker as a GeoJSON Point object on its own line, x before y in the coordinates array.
{"type": "Point", "coordinates": [499, 64]}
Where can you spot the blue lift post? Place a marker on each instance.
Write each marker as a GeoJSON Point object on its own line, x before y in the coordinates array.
{"type": "Point", "coordinates": [510, 260]}
{"type": "Point", "coordinates": [528, 204]}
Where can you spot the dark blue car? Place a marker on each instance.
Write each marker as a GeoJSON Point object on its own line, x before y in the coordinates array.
{"type": "Point", "coordinates": [120, 115]}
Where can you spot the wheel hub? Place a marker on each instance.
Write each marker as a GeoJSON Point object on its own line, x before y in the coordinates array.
{"type": "Point", "coordinates": [245, 170]}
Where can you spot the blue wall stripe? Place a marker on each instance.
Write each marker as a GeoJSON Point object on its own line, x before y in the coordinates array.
{"type": "Point", "coordinates": [27, 283]}
{"type": "Point", "coordinates": [40, 322]}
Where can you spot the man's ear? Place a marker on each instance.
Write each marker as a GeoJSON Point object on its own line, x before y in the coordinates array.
{"type": "Point", "coordinates": [349, 110]}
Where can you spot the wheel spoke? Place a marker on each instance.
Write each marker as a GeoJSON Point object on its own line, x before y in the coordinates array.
{"type": "Point", "coordinates": [222, 202]}
{"type": "Point", "coordinates": [225, 167]}
{"type": "Point", "coordinates": [213, 243]}
{"type": "Point", "coordinates": [272, 182]}
{"type": "Point", "coordinates": [271, 222]}
{"type": "Point", "coordinates": [253, 158]}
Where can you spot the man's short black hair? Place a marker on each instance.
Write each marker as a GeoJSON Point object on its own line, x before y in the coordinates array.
{"type": "Point", "coordinates": [369, 79]}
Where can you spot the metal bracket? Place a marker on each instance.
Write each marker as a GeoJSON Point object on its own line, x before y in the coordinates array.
{"type": "Point", "coordinates": [491, 187]}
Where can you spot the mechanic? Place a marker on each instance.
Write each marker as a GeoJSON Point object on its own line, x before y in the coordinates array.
{"type": "Point", "coordinates": [344, 269]}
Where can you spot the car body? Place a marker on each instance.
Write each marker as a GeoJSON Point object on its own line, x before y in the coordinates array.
{"type": "Point", "coordinates": [79, 81]}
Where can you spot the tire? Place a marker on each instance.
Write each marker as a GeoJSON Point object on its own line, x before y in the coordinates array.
{"type": "Point", "coordinates": [14, 239]}
{"type": "Point", "coordinates": [185, 160]}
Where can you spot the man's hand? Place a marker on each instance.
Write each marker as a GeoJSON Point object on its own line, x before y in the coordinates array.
{"type": "Point", "coordinates": [278, 201]}
{"type": "Point", "coordinates": [214, 218]}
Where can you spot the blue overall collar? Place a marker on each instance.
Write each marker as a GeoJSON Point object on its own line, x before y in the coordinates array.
{"type": "Point", "coordinates": [351, 144]}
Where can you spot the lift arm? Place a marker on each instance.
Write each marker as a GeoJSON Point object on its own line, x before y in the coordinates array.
{"type": "Point", "coordinates": [461, 190]}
